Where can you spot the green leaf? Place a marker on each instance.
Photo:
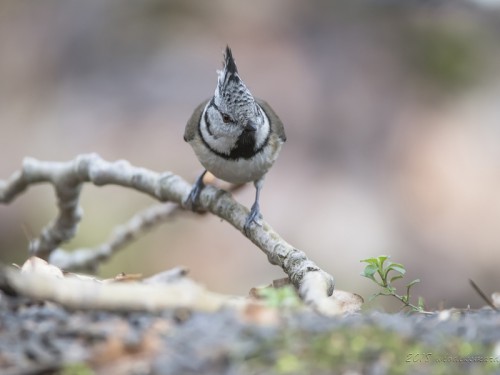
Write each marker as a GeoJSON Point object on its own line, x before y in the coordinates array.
{"type": "Point", "coordinates": [391, 266]}
{"type": "Point", "coordinates": [398, 267]}
{"type": "Point", "coordinates": [395, 278]}
{"type": "Point", "coordinates": [381, 259]}
{"type": "Point", "coordinates": [370, 261]}
{"type": "Point", "coordinates": [408, 287]}
{"type": "Point", "coordinates": [373, 296]}
{"type": "Point", "coordinates": [416, 281]}
{"type": "Point", "coordinates": [369, 271]}
{"type": "Point", "coordinates": [421, 303]}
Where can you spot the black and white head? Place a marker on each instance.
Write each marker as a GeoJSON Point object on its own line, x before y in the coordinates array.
{"type": "Point", "coordinates": [235, 123]}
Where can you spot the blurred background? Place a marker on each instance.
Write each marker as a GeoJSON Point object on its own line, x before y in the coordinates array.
{"type": "Point", "coordinates": [392, 111]}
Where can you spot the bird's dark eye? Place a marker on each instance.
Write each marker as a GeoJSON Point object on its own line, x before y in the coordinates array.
{"type": "Point", "coordinates": [226, 118]}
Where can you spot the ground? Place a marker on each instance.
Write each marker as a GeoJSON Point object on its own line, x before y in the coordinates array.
{"type": "Point", "coordinates": [46, 338]}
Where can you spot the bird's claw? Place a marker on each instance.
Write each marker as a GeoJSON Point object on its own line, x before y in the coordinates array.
{"type": "Point", "coordinates": [254, 217]}
{"type": "Point", "coordinates": [192, 201]}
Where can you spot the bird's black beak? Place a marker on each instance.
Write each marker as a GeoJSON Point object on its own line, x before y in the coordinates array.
{"type": "Point", "coordinates": [251, 126]}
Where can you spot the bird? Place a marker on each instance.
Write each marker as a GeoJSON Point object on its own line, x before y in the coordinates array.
{"type": "Point", "coordinates": [235, 136]}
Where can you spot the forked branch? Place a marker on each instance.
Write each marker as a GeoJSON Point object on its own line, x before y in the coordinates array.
{"type": "Point", "coordinates": [313, 283]}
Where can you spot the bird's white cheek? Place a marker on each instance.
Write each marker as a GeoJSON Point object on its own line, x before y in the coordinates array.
{"type": "Point", "coordinates": [263, 132]}
{"type": "Point", "coordinates": [227, 130]}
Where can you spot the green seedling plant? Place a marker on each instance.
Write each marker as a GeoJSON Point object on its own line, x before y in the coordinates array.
{"type": "Point", "coordinates": [383, 272]}
{"type": "Point", "coordinates": [285, 296]}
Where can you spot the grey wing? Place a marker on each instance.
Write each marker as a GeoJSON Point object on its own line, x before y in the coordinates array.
{"type": "Point", "coordinates": [276, 123]}
{"type": "Point", "coordinates": [194, 120]}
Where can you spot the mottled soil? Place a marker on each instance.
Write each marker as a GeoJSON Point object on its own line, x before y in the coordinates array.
{"type": "Point", "coordinates": [45, 338]}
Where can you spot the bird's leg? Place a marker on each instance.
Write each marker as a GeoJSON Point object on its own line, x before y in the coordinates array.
{"type": "Point", "coordinates": [192, 201]}
{"type": "Point", "coordinates": [255, 216]}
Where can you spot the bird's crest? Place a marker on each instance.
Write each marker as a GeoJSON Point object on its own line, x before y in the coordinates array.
{"type": "Point", "coordinates": [231, 95]}
{"type": "Point", "coordinates": [229, 72]}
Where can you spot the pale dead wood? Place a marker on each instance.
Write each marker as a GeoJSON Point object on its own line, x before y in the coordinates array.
{"type": "Point", "coordinates": [313, 284]}
{"type": "Point", "coordinates": [92, 294]}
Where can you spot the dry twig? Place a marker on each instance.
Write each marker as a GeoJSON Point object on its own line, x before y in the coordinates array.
{"type": "Point", "coordinates": [89, 258]}
{"type": "Point", "coordinates": [314, 284]}
{"type": "Point", "coordinates": [78, 293]}
{"type": "Point", "coordinates": [482, 295]}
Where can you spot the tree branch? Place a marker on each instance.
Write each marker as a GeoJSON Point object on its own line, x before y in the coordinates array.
{"type": "Point", "coordinates": [313, 283]}
{"type": "Point", "coordinates": [76, 293]}
{"type": "Point", "coordinates": [88, 259]}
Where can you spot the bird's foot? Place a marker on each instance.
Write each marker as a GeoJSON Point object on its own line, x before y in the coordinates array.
{"type": "Point", "coordinates": [254, 217]}
{"type": "Point", "coordinates": [192, 201]}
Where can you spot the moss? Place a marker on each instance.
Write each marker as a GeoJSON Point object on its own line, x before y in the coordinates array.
{"type": "Point", "coordinates": [76, 369]}
{"type": "Point", "coordinates": [339, 350]}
